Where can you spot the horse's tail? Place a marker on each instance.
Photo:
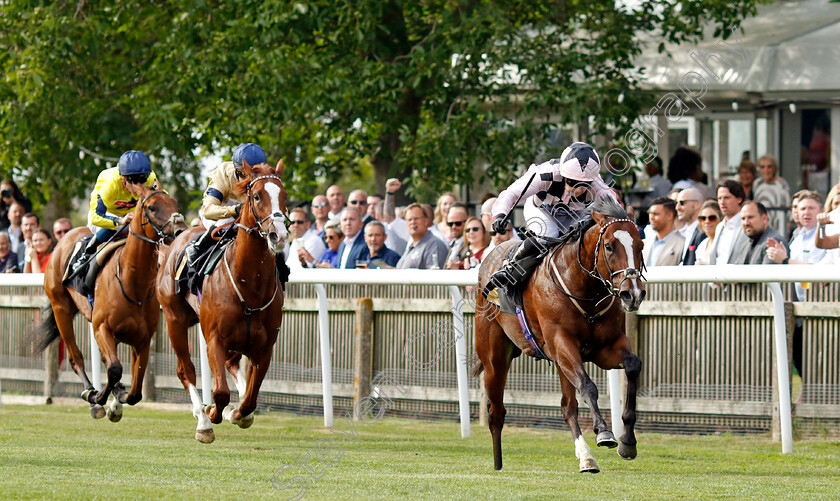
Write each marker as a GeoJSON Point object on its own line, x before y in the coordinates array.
{"type": "Point", "coordinates": [47, 328]}
{"type": "Point", "coordinates": [476, 369]}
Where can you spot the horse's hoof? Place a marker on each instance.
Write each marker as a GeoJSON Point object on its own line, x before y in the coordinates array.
{"type": "Point", "coordinates": [589, 466]}
{"type": "Point", "coordinates": [97, 411]}
{"type": "Point", "coordinates": [606, 439]}
{"type": "Point", "coordinates": [114, 416]}
{"type": "Point", "coordinates": [627, 451]}
{"type": "Point", "coordinates": [205, 436]}
{"type": "Point", "coordinates": [132, 400]}
{"type": "Point", "coordinates": [245, 422]}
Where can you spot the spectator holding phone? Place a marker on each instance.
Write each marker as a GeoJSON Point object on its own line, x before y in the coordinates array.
{"type": "Point", "coordinates": [11, 194]}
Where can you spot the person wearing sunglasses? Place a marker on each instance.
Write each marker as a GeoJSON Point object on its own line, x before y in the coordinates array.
{"type": "Point", "coordinates": [304, 247]}
{"type": "Point", "coordinates": [477, 240]}
{"type": "Point", "coordinates": [60, 227]}
{"type": "Point", "coordinates": [113, 199]}
{"type": "Point", "coordinates": [555, 195]}
{"type": "Point", "coordinates": [710, 216]}
{"type": "Point", "coordinates": [455, 220]}
{"type": "Point", "coordinates": [320, 211]}
{"type": "Point", "coordinates": [333, 237]}
{"type": "Point", "coordinates": [688, 208]}
{"type": "Point", "coordinates": [358, 201]}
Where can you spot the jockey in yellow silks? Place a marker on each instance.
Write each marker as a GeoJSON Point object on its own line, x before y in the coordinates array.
{"type": "Point", "coordinates": [114, 198]}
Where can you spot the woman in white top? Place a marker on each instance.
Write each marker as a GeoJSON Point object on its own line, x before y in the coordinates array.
{"type": "Point", "coordinates": [710, 216]}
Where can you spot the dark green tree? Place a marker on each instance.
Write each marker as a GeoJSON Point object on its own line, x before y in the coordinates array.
{"type": "Point", "coordinates": [425, 90]}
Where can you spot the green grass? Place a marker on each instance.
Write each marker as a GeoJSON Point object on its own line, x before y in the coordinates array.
{"type": "Point", "coordinates": [60, 453]}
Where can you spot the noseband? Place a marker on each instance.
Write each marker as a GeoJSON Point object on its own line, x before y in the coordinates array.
{"type": "Point", "coordinates": [629, 273]}
{"type": "Point", "coordinates": [612, 291]}
{"type": "Point", "coordinates": [258, 226]}
{"type": "Point", "coordinates": [158, 229]}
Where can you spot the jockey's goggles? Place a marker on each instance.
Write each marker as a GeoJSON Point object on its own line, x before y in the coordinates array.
{"type": "Point", "coordinates": [137, 178]}
{"type": "Point", "coordinates": [574, 183]}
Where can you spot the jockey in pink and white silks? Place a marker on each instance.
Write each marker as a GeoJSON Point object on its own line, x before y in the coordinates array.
{"type": "Point", "coordinates": [556, 195]}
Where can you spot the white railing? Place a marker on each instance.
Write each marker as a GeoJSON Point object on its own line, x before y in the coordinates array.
{"type": "Point", "coordinates": [772, 275]}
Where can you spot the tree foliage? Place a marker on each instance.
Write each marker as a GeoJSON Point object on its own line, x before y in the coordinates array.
{"type": "Point", "coordinates": [425, 89]}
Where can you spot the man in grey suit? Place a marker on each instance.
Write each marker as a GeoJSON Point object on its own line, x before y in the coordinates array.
{"type": "Point", "coordinates": [665, 248]}
{"type": "Point", "coordinates": [750, 247]}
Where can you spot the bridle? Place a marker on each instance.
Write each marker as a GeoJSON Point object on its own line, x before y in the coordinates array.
{"type": "Point", "coordinates": [162, 237]}
{"type": "Point", "coordinates": [629, 273]}
{"type": "Point", "coordinates": [258, 226]}
{"type": "Point", "coordinates": [612, 291]}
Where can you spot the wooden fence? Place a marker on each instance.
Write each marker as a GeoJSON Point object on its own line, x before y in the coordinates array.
{"type": "Point", "coordinates": [707, 357]}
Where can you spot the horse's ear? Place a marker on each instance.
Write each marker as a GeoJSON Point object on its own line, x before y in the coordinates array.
{"type": "Point", "coordinates": [280, 168]}
{"type": "Point", "coordinates": [246, 169]}
{"type": "Point", "coordinates": [599, 218]}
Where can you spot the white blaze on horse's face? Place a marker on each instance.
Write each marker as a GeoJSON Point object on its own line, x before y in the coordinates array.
{"type": "Point", "coordinates": [636, 293]}
{"type": "Point", "coordinates": [627, 241]}
{"type": "Point", "coordinates": [277, 234]}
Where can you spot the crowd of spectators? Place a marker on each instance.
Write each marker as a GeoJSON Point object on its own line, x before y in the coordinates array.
{"type": "Point", "coordinates": [369, 231]}
{"type": "Point", "coordinates": [25, 247]}
{"type": "Point", "coordinates": [684, 222]}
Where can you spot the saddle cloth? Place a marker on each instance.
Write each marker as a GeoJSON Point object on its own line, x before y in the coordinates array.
{"type": "Point", "coordinates": [84, 281]}
{"type": "Point", "coordinates": [190, 276]}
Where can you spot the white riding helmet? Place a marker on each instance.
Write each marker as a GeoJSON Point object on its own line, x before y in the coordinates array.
{"type": "Point", "coordinates": [579, 162]}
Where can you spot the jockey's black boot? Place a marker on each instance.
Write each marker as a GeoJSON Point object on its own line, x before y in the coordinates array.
{"type": "Point", "coordinates": [518, 268]}
{"type": "Point", "coordinates": [197, 248]}
{"type": "Point", "coordinates": [87, 252]}
{"type": "Point", "coordinates": [283, 270]}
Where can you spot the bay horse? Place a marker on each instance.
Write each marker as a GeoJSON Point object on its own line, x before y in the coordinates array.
{"type": "Point", "coordinates": [570, 304]}
{"type": "Point", "coordinates": [125, 309]}
{"type": "Point", "coordinates": [240, 306]}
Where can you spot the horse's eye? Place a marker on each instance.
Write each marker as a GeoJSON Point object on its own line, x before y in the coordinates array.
{"type": "Point", "coordinates": [608, 247]}
{"type": "Point", "coordinates": [256, 198]}
{"type": "Point", "coordinates": [153, 209]}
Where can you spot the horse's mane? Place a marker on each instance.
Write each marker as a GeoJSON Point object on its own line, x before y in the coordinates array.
{"type": "Point", "coordinates": [241, 188]}
{"type": "Point", "coordinates": [602, 205]}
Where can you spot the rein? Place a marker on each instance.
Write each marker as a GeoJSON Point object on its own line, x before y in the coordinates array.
{"type": "Point", "coordinates": [612, 291]}
{"type": "Point", "coordinates": [158, 230]}
{"type": "Point", "coordinates": [122, 289]}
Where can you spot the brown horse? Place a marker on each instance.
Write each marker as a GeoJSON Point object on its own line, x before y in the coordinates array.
{"type": "Point", "coordinates": [241, 302]}
{"type": "Point", "coordinates": [125, 309]}
{"type": "Point", "coordinates": [571, 306]}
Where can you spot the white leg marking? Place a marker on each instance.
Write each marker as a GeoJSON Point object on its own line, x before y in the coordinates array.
{"type": "Point", "coordinates": [239, 379]}
{"type": "Point", "coordinates": [198, 411]}
{"type": "Point", "coordinates": [582, 449]}
{"type": "Point", "coordinates": [228, 413]}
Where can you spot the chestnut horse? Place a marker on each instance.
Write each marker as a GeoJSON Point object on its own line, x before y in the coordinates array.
{"type": "Point", "coordinates": [241, 303]}
{"type": "Point", "coordinates": [570, 304]}
{"type": "Point", "coordinates": [125, 309]}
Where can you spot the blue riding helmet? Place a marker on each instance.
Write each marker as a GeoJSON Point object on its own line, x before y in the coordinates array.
{"type": "Point", "coordinates": [134, 162]}
{"type": "Point", "coordinates": [249, 152]}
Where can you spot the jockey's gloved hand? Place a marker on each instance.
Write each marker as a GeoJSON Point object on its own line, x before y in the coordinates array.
{"type": "Point", "coordinates": [499, 223]}
{"type": "Point", "coordinates": [238, 209]}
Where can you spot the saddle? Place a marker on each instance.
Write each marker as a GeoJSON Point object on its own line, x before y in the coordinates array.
{"type": "Point", "coordinates": [190, 276]}
{"type": "Point", "coordinates": [509, 297]}
{"type": "Point", "coordinates": [84, 281]}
